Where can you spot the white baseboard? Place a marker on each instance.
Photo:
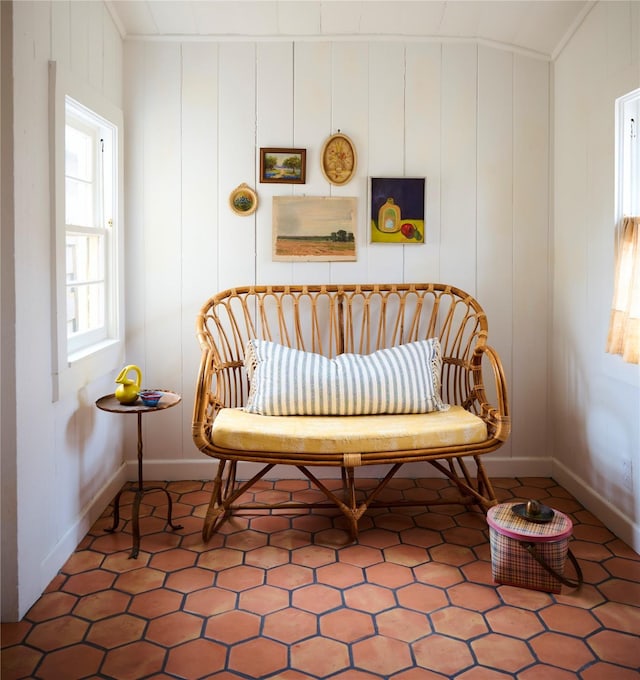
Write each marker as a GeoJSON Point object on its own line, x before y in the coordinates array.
{"type": "Point", "coordinates": [89, 514]}
{"type": "Point", "coordinates": [621, 525]}
{"type": "Point", "coordinates": [176, 470]}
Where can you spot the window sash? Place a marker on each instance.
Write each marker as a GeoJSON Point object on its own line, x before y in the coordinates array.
{"type": "Point", "coordinates": [89, 250]}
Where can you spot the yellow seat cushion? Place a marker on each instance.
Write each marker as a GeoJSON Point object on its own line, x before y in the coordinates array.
{"type": "Point", "coordinates": [238, 430]}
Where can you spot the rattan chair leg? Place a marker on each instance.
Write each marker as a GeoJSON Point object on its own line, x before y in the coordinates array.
{"type": "Point", "coordinates": [478, 491]}
{"type": "Point", "coordinates": [217, 513]}
{"type": "Point", "coordinates": [484, 486]}
{"type": "Point", "coordinates": [226, 491]}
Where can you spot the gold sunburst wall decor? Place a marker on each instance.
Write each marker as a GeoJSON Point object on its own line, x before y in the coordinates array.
{"type": "Point", "coordinates": [338, 159]}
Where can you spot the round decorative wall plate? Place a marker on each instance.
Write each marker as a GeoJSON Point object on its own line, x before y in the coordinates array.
{"type": "Point", "coordinates": [338, 159]}
{"type": "Point", "coordinates": [243, 200]}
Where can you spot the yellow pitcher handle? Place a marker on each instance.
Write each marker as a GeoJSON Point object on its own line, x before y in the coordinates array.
{"type": "Point", "coordinates": [122, 376]}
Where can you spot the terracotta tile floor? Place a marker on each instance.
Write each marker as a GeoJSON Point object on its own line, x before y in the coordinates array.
{"type": "Point", "coordinates": [287, 597]}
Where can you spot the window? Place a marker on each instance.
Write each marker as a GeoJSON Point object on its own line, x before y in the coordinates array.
{"type": "Point", "coordinates": [87, 180]}
{"type": "Point", "coordinates": [628, 154]}
{"type": "Point", "coordinates": [624, 325]}
{"type": "Point", "coordinates": [89, 222]}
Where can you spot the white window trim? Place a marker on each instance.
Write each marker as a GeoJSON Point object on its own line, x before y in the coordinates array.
{"type": "Point", "coordinates": [612, 364]}
{"type": "Point", "coordinates": [76, 115]}
{"type": "Point", "coordinates": [622, 173]}
{"type": "Point", "coordinates": [71, 373]}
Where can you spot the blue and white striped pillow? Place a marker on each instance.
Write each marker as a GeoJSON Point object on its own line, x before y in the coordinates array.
{"type": "Point", "coordinates": [286, 381]}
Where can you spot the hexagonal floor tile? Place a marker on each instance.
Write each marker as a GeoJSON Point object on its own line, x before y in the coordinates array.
{"type": "Point", "coordinates": [290, 596]}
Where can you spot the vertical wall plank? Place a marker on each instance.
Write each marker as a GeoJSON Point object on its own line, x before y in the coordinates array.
{"type": "Point", "coordinates": [112, 61]}
{"type": "Point", "coordinates": [200, 207]}
{"type": "Point", "coordinates": [96, 19]}
{"type": "Point", "coordinates": [350, 115]}
{"type": "Point", "coordinates": [530, 256]}
{"type": "Point", "coordinates": [236, 257]}
{"type": "Point", "coordinates": [274, 125]}
{"type": "Point", "coordinates": [161, 265]}
{"type": "Point", "coordinates": [386, 143]}
{"type": "Point", "coordinates": [80, 25]}
{"type": "Point", "coordinates": [422, 151]}
{"type": "Point", "coordinates": [458, 179]}
{"type": "Point", "coordinates": [494, 274]}
{"type": "Point", "coordinates": [133, 232]}
{"type": "Point", "coordinates": [61, 33]}
{"type": "Point", "coordinates": [134, 169]}
{"type": "Point", "coordinates": [312, 117]}
{"type": "Point", "coordinates": [312, 106]}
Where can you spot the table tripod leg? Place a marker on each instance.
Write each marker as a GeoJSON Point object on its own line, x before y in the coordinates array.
{"type": "Point", "coordinates": [169, 512]}
{"type": "Point", "coordinates": [116, 512]}
{"type": "Point", "coordinates": [135, 519]}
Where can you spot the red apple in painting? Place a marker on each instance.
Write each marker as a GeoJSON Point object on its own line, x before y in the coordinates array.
{"type": "Point", "coordinates": [408, 230]}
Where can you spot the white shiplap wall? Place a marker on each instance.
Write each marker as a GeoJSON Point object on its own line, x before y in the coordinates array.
{"type": "Point", "coordinates": [68, 457]}
{"type": "Point", "coordinates": [594, 410]}
{"type": "Point", "coordinates": [471, 119]}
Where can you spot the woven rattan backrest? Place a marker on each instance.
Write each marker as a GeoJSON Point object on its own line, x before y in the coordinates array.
{"type": "Point", "coordinates": [331, 319]}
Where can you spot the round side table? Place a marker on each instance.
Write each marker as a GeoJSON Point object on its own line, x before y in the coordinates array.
{"type": "Point", "coordinates": [111, 404]}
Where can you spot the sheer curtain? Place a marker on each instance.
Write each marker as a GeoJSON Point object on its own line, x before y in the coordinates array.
{"type": "Point", "coordinates": [624, 326]}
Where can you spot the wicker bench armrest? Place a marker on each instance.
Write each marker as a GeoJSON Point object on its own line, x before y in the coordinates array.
{"type": "Point", "coordinates": [486, 363]}
{"type": "Point", "coordinates": [219, 385]}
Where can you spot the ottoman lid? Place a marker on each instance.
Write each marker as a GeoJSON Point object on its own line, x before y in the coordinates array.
{"type": "Point", "coordinates": [506, 522]}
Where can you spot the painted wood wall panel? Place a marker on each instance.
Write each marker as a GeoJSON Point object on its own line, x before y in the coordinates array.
{"type": "Point", "coordinates": [531, 259]}
{"type": "Point", "coordinates": [458, 166]}
{"type": "Point", "coordinates": [60, 32]}
{"type": "Point", "coordinates": [350, 115]}
{"type": "Point", "coordinates": [63, 465]}
{"type": "Point", "coordinates": [112, 61]}
{"type": "Point", "coordinates": [36, 462]}
{"type": "Point", "coordinates": [274, 129]}
{"type": "Point", "coordinates": [495, 201]}
{"type": "Point", "coordinates": [312, 118]}
{"type": "Point", "coordinates": [236, 256]}
{"type": "Point", "coordinates": [161, 264]}
{"type": "Point", "coordinates": [443, 111]}
{"type": "Point", "coordinates": [80, 27]}
{"type": "Point", "coordinates": [495, 190]}
{"type": "Point", "coordinates": [200, 208]}
{"type": "Point", "coordinates": [386, 144]}
{"type": "Point", "coordinates": [423, 153]}
{"type": "Point", "coordinates": [594, 398]}
{"type": "Point", "coordinates": [135, 163]}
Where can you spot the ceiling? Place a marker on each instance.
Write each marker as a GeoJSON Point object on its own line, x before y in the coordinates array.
{"type": "Point", "coordinates": [540, 27]}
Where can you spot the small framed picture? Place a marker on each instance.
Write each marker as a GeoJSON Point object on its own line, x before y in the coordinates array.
{"type": "Point", "coordinates": [284, 166]}
{"type": "Point", "coordinates": [243, 200]}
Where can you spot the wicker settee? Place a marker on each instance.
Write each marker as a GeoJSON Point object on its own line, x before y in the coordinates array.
{"type": "Point", "coordinates": [332, 320]}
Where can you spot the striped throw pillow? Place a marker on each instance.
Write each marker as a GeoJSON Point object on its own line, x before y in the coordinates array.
{"type": "Point", "coordinates": [286, 381]}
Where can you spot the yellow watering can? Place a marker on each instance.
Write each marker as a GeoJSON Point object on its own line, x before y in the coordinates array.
{"type": "Point", "coordinates": [127, 390]}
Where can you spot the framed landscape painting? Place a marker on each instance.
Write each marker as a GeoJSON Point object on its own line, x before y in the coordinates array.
{"type": "Point", "coordinates": [309, 228]}
{"type": "Point", "coordinates": [284, 166]}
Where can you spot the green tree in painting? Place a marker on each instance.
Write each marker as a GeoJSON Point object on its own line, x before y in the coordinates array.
{"type": "Point", "coordinates": [269, 162]}
{"type": "Point", "coordinates": [292, 163]}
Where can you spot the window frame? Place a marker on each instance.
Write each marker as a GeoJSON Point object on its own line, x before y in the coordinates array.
{"type": "Point", "coordinates": [103, 176]}
{"type": "Point", "coordinates": [74, 368]}
{"type": "Point", "coordinates": [627, 155]}
{"type": "Point", "coordinates": [613, 365]}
